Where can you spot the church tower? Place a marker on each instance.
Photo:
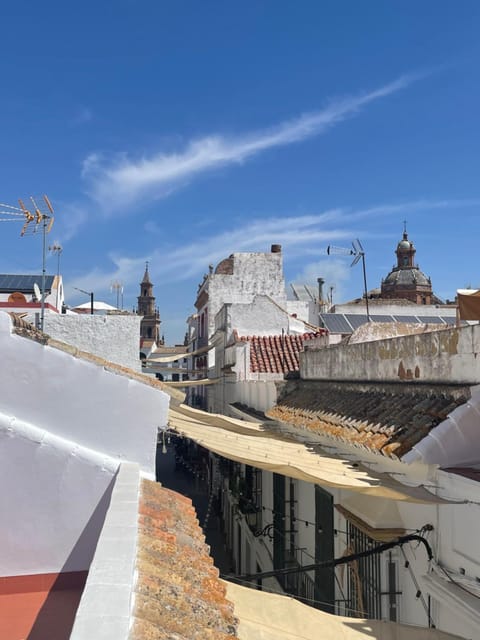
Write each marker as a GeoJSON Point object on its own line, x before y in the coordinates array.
{"type": "Point", "coordinates": [150, 323]}
{"type": "Point", "coordinates": [406, 281]}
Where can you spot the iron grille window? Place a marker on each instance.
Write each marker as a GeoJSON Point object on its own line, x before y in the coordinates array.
{"type": "Point", "coordinates": [364, 580]}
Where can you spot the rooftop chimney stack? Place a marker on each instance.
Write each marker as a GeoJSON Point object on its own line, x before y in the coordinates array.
{"type": "Point", "coordinates": [321, 282]}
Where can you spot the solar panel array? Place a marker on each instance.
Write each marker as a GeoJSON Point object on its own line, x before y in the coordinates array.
{"type": "Point", "coordinates": [335, 322]}
{"type": "Point", "coordinates": [347, 323]}
{"type": "Point", "coordinates": [23, 284]}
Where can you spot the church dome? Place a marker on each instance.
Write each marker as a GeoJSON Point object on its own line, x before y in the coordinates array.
{"type": "Point", "coordinates": [225, 267]}
{"type": "Point", "coordinates": [407, 277]}
{"type": "Point", "coordinates": [405, 280]}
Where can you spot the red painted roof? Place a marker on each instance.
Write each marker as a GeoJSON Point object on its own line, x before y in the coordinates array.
{"type": "Point", "coordinates": [276, 354]}
{"type": "Point", "coordinates": [40, 606]}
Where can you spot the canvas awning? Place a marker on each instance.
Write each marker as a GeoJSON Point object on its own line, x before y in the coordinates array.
{"type": "Point", "coordinates": [191, 383]}
{"type": "Point", "coordinates": [177, 356]}
{"type": "Point", "coordinates": [249, 443]}
{"type": "Point", "coordinates": [269, 616]}
{"type": "Point", "coordinates": [468, 304]}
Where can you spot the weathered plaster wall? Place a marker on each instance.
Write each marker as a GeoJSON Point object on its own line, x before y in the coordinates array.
{"type": "Point", "coordinates": [436, 357]}
{"type": "Point", "coordinates": [253, 274]}
{"type": "Point", "coordinates": [113, 337]}
{"type": "Point", "coordinates": [397, 309]}
{"type": "Point", "coordinates": [261, 316]}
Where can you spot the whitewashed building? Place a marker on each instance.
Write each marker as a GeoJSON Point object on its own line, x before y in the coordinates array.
{"type": "Point", "coordinates": [252, 286]}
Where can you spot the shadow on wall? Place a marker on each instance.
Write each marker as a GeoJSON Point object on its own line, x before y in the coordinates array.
{"type": "Point", "coordinates": [57, 615]}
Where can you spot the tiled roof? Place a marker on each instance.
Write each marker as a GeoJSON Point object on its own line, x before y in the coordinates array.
{"type": "Point", "coordinates": [386, 419]}
{"type": "Point", "coordinates": [178, 594]}
{"type": "Point", "coordinates": [275, 354]}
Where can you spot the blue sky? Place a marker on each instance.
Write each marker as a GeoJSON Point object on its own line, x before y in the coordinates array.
{"type": "Point", "coordinates": [180, 132]}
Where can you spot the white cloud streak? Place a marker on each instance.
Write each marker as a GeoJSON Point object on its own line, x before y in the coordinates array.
{"type": "Point", "coordinates": [305, 237]}
{"type": "Point", "coordinates": [115, 183]}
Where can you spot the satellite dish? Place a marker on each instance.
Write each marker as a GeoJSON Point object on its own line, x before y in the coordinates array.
{"type": "Point", "coordinates": [37, 292]}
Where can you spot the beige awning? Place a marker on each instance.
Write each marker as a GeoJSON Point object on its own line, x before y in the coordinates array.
{"type": "Point", "coordinates": [177, 356]}
{"type": "Point", "coordinates": [191, 383]}
{"type": "Point", "coordinates": [269, 616]}
{"type": "Point", "coordinates": [249, 443]}
{"type": "Point", "coordinates": [468, 304]}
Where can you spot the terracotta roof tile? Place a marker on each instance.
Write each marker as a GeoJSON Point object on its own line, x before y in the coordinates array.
{"type": "Point", "coordinates": [178, 594]}
{"type": "Point", "coordinates": [382, 419]}
{"type": "Point", "coordinates": [275, 354]}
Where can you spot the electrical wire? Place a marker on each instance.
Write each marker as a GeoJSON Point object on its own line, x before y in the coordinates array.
{"type": "Point", "coordinates": [419, 593]}
{"type": "Point", "coordinates": [456, 583]}
{"type": "Point", "coordinates": [343, 560]}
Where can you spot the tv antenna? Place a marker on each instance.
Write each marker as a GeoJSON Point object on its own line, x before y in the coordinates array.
{"type": "Point", "coordinates": [359, 254]}
{"type": "Point", "coordinates": [36, 218]}
{"type": "Point", "coordinates": [117, 286]}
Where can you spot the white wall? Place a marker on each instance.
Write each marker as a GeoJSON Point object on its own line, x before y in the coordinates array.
{"type": "Point", "coordinates": [79, 400]}
{"type": "Point", "coordinates": [261, 316]}
{"type": "Point", "coordinates": [260, 395]}
{"type": "Point", "coordinates": [113, 337]}
{"type": "Point", "coordinates": [105, 608]}
{"type": "Point", "coordinates": [53, 500]}
{"type": "Point", "coordinates": [65, 426]}
{"type": "Point", "coordinates": [253, 274]}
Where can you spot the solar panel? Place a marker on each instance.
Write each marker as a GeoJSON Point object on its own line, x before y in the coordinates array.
{"type": "Point", "coordinates": [413, 319]}
{"type": "Point", "coordinates": [449, 319]}
{"type": "Point", "coordinates": [356, 320]}
{"type": "Point", "coordinates": [23, 284]}
{"type": "Point", "coordinates": [431, 319]}
{"type": "Point", "coordinates": [335, 323]}
{"type": "Point", "coordinates": [380, 318]}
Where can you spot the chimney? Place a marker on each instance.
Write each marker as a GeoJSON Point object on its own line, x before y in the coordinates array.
{"type": "Point", "coordinates": [276, 248]}
{"type": "Point", "coordinates": [321, 282]}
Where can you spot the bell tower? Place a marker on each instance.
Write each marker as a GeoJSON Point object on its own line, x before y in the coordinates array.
{"type": "Point", "coordinates": [150, 323]}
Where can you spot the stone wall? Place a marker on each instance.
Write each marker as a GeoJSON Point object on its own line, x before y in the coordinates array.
{"type": "Point", "coordinates": [447, 355]}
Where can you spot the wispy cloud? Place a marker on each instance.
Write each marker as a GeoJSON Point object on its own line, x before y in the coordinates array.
{"type": "Point", "coordinates": [116, 182]}
{"type": "Point", "coordinates": [304, 240]}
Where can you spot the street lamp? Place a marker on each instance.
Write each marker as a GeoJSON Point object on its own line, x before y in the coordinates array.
{"type": "Point", "coordinates": [359, 254]}
{"type": "Point", "coordinates": [87, 293]}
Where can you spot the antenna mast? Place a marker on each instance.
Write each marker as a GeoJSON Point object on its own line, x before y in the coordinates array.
{"type": "Point", "coordinates": [359, 254]}
{"type": "Point", "coordinates": [40, 219]}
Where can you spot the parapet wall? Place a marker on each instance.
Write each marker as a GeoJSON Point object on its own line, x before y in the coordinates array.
{"type": "Point", "coordinates": [113, 337]}
{"type": "Point", "coordinates": [447, 355]}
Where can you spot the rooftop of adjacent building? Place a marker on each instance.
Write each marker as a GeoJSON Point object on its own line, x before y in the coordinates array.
{"type": "Point", "coordinates": [275, 354]}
